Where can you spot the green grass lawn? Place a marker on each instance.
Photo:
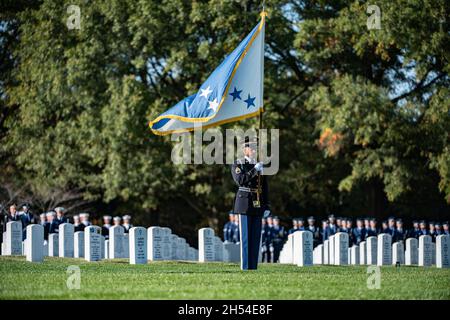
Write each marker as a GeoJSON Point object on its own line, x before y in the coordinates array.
{"type": "Point", "coordinates": [187, 280]}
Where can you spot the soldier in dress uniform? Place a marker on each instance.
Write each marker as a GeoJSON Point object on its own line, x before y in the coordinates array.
{"type": "Point", "coordinates": [84, 218]}
{"type": "Point", "coordinates": [52, 225]}
{"type": "Point", "coordinates": [438, 229]}
{"type": "Point", "coordinates": [60, 217]}
{"type": "Point", "coordinates": [315, 231]}
{"type": "Point", "coordinates": [431, 230]}
{"type": "Point", "coordinates": [351, 239]}
{"type": "Point", "coordinates": [13, 215]}
{"type": "Point", "coordinates": [106, 225]}
{"type": "Point", "coordinates": [367, 223]}
{"type": "Point", "coordinates": [228, 228]}
{"type": "Point", "coordinates": [27, 216]}
{"type": "Point", "coordinates": [445, 229]}
{"type": "Point", "coordinates": [400, 232]}
{"type": "Point", "coordinates": [331, 228]}
{"type": "Point", "coordinates": [294, 226]}
{"type": "Point", "coordinates": [42, 219]}
{"type": "Point", "coordinates": [415, 231]}
{"type": "Point", "coordinates": [359, 233]}
{"type": "Point", "coordinates": [127, 223]}
{"type": "Point", "coordinates": [373, 230]}
{"type": "Point", "coordinates": [266, 241]}
{"type": "Point", "coordinates": [423, 228]}
{"type": "Point", "coordinates": [77, 225]}
{"type": "Point", "coordinates": [338, 223]}
{"type": "Point", "coordinates": [116, 221]}
{"type": "Point", "coordinates": [300, 224]}
{"type": "Point", "coordinates": [391, 227]}
{"type": "Point", "coordinates": [342, 226]}
{"type": "Point", "coordinates": [278, 238]}
{"type": "Point", "coordinates": [251, 202]}
{"type": "Point", "coordinates": [384, 227]}
{"type": "Point", "coordinates": [323, 231]}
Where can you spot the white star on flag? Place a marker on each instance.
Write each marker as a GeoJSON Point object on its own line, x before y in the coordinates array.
{"type": "Point", "coordinates": [205, 92]}
{"type": "Point", "coordinates": [213, 105]}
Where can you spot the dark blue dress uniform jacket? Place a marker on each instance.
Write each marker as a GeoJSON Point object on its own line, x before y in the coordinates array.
{"type": "Point", "coordinates": [245, 175]}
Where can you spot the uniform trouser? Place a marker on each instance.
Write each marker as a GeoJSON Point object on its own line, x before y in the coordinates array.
{"type": "Point", "coordinates": [276, 252]}
{"type": "Point", "coordinates": [267, 254]}
{"type": "Point", "coordinates": [250, 230]}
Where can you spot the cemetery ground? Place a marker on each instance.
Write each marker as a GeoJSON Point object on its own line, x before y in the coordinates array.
{"type": "Point", "coordinates": [117, 279]}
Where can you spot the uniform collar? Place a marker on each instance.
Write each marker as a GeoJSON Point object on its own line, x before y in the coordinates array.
{"type": "Point", "coordinates": [250, 160]}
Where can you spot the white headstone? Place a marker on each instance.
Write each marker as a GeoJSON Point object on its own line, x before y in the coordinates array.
{"type": "Point", "coordinates": [78, 250]}
{"type": "Point", "coordinates": [166, 244]}
{"type": "Point", "coordinates": [371, 249]}
{"type": "Point", "coordinates": [443, 251]}
{"type": "Point", "coordinates": [192, 256]}
{"type": "Point", "coordinates": [126, 246]}
{"type": "Point", "coordinates": [53, 245]}
{"type": "Point", "coordinates": [116, 249]}
{"type": "Point", "coordinates": [14, 238]}
{"type": "Point", "coordinates": [173, 245]}
{"type": "Point", "coordinates": [326, 252]}
{"type": "Point", "coordinates": [331, 249]}
{"type": "Point", "coordinates": [23, 247]}
{"type": "Point", "coordinates": [318, 254]}
{"type": "Point", "coordinates": [341, 248]}
{"type": "Point", "coordinates": [354, 255]}
{"type": "Point", "coordinates": [106, 245]}
{"type": "Point", "coordinates": [433, 253]}
{"type": "Point", "coordinates": [303, 248]}
{"type": "Point", "coordinates": [384, 249]}
{"type": "Point", "coordinates": [4, 244]}
{"type": "Point", "coordinates": [181, 248]}
{"type": "Point", "coordinates": [35, 243]}
{"type": "Point", "coordinates": [92, 243]}
{"type": "Point", "coordinates": [206, 245]}
{"type": "Point", "coordinates": [103, 247]}
{"type": "Point", "coordinates": [411, 253]}
{"type": "Point", "coordinates": [398, 253]}
{"type": "Point", "coordinates": [154, 239]}
{"type": "Point", "coordinates": [138, 245]}
{"type": "Point", "coordinates": [66, 238]}
{"type": "Point", "coordinates": [425, 251]}
{"type": "Point", "coordinates": [232, 252]}
{"type": "Point", "coordinates": [362, 253]}
{"type": "Point", "coordinates": [45, 248]}
{"type": "Point", "coordinates": [218, 249]}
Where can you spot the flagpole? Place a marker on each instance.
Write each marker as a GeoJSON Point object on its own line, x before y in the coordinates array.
{"type": "Point", "coordinates": [263, 14]}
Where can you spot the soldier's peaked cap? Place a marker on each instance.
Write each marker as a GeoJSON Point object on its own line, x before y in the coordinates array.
{"type": "Point", "coordinates": [249, 142]}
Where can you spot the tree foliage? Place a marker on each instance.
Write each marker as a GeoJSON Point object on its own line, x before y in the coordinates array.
{"type": "Point", "coordinates": [364, 114]}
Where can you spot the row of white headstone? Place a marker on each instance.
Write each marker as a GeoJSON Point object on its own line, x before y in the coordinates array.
{"type": "Point", "coordinates": [298, 250]}
{"type": "Point", "coordinates": [139, 246]}
{"type": "Point", "coordinates": [212, 248]}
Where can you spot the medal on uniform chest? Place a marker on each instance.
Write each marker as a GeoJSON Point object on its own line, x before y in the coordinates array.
{"type": "Point", "coordinates": [256, 204]}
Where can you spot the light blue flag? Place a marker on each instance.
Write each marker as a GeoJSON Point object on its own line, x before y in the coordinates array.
{"type": "Point", "coordinates": [234, 91]}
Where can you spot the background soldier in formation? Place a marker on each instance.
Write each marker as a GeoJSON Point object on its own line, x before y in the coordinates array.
{"type": "Point", "coordinates": [274, 235]}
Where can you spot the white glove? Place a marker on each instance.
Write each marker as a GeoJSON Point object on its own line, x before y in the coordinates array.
{"type": "Point", "coordinates": [266, 214]}
{"type": "Point", "coordinates": [259, 166]}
